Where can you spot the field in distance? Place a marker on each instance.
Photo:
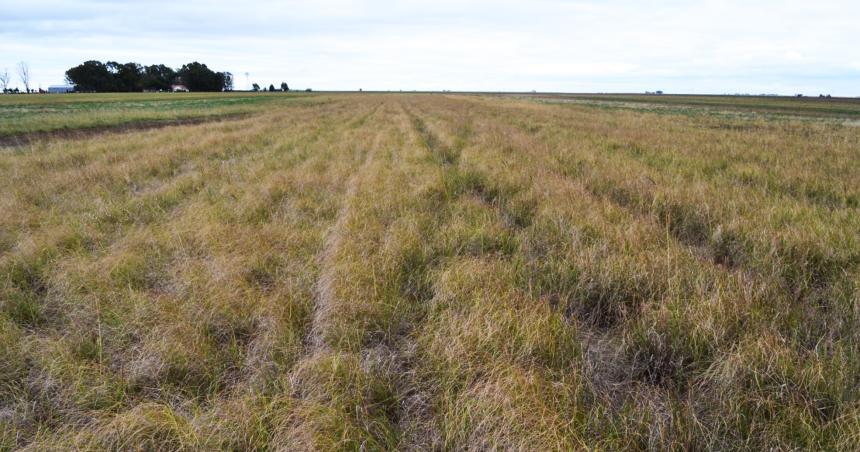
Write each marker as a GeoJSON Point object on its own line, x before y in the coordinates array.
{"type": "Point", "coordinates": [426, 271]}
{"type": "Point", "coordinates": [748, 107]}
{"type": "Point", "coordinates": [25, 118]}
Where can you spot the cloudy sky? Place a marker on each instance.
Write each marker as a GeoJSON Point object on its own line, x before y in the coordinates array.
{"type": "Point", "coordinates": [714, 46]}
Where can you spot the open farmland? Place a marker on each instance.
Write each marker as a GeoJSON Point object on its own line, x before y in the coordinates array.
{"type": "Point", "coordinates": [28, 118]}
{"type": "Point", "coordinates": [802, 108]}
{"type": "Point", "coordinates": [427, 271]}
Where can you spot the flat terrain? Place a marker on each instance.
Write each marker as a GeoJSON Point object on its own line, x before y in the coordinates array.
{"type": "Point", "coordinates": [23, 118]}
{"type": "Point", "coordinates": [428, 271]}
{"type": "Point", "coordinates": [805, 107]}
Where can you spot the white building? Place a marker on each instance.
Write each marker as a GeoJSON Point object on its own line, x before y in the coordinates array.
{"type": "Point", "coordinates": [60, 89]}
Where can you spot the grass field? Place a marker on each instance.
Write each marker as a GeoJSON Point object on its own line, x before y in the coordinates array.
{"type": "Point", "coordinates": [427, 271]}
{"type": "Point", "coordinates": [839, 108]}
{"type": "Point", "coordinates": [21, 116]}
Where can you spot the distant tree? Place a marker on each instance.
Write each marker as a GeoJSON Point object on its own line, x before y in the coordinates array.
{"type": "Point", "coordinates": [255, 87]}
{"type": "Point", "coordinates": [113, 69]}
{"type": "Point", "coordinates": [127, 77]}
{"type": "Point", "coordinates": [284, 86]}
{"type": "Point", "coordinates": [271, 88]}
{"type": "Point", "coordinates": [91, 76]}
{"type": "Point", "coordinates": [4, 79]}
{"type": "Point", "coordinates": [228, 81]}
{"type": "Point", "coordinates": [198, 77]}
{"type": "Point", "coordinates": [24, 75]}
{"type": "Point", "coordinates": [113, 76]}
{"type": "Point", "coordinates": [157, 77]}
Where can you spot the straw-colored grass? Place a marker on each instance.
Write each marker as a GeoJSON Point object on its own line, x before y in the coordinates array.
{"type": "Point", "coordinates": [419, 272]}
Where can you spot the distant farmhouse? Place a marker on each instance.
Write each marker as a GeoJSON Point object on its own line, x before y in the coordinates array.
{"type": "Point", "coordinates": [60, 89]}
{"type": "Point", "coordinates": [178, 88]}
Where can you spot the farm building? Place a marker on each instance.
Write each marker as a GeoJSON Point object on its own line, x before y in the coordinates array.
{"type": "Point", "coordinates": [60, 89]}
{"type": "Point", "coordinates": [178, 88]}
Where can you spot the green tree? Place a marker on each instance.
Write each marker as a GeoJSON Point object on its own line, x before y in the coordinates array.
{"type": "Point", "coordinates": [284, 86]}
{"type": "Point", "coordinates": [198, 77]}
{"type": "Point", "coordinates": [158, 77]}
{"type": "Point", "coordinates": [90, 76]}
{"type": "Point", "coordinates": [127, 77]}
{"type": "Point", "coordinates": [228, 81]}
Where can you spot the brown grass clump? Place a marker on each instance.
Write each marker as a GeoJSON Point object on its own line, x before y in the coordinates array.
{"type": "Point", "coordinates": [423, 272]}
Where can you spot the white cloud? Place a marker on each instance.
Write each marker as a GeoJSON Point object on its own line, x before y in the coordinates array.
{"type": "Point", "coordinates": [620, 45]}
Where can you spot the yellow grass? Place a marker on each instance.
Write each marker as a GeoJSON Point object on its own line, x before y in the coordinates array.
{"type": "Point", "coordinates": [434, 272]}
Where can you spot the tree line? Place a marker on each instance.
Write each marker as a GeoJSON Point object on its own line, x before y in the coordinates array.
{"type": "Point", "coordinates": [256, 87]}
{"type": "Point", "coordinates": [95, 76]}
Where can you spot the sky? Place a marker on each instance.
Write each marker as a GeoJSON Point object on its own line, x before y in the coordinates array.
{"type": "Point", "coordinates": [728, 46]}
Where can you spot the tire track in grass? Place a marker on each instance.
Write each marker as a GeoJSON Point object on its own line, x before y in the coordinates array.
{"type": "Point", "coordinates": [172, 195]}
{"type": "Point", "coordinates": [462, 182]}
{"type": "Point", "coordinates": [415, 419]}
{"type": "Point", "coordinates": [324, 291]}
{"type": "Point", "coordinates": [324, 287]}
{"type": "Point", "coordinates": [341, 400]}
{"type": "Point", "coordinates": [374, 258]}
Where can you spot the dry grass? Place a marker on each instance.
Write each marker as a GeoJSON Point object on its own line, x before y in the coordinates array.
{"type": "Point", "coordinates": [434, 272]}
